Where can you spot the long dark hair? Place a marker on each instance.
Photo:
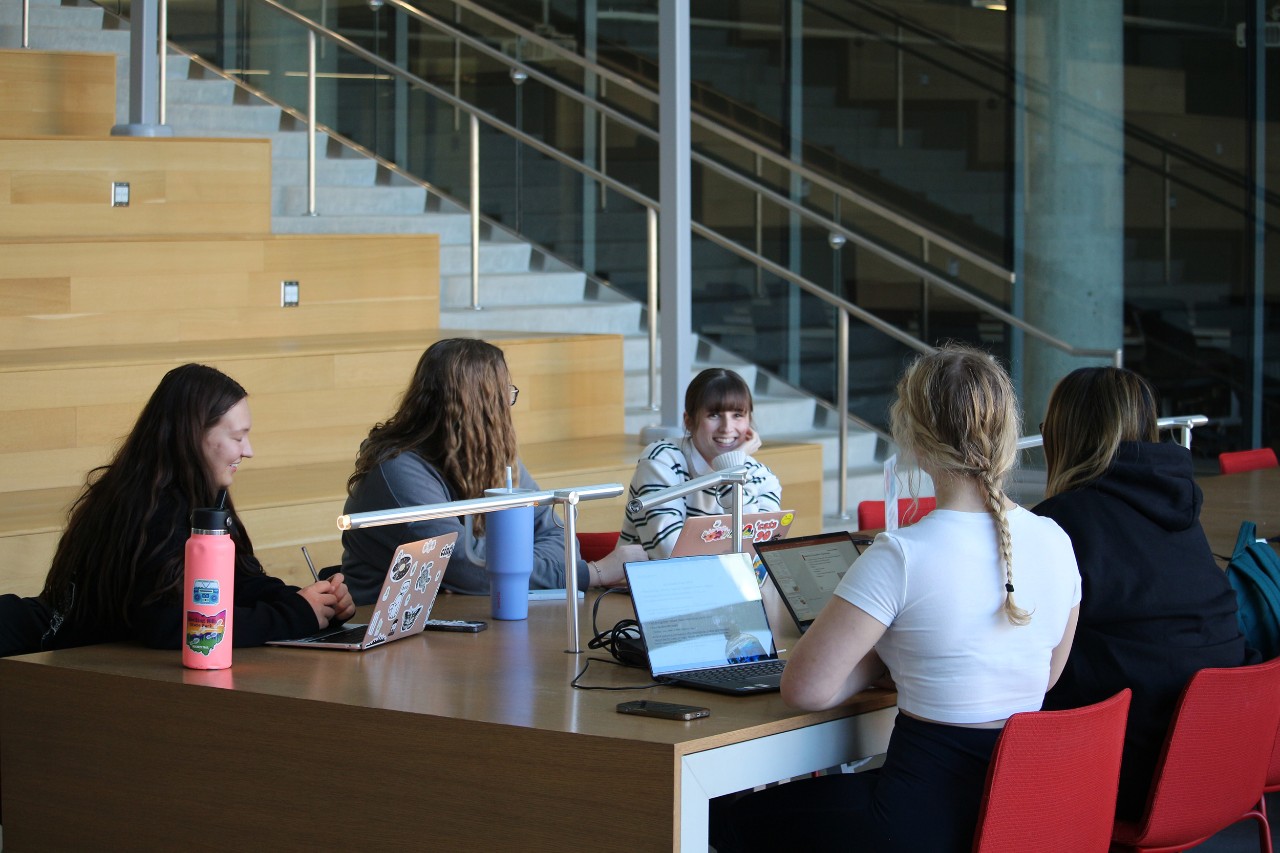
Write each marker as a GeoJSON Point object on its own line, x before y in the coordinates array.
{"type": "Point", "coordinates": [1090, 412]}
{"type": "Point", "coordinates": [455, 414]}
{"type": "Point", "coordinates": [124, 518]}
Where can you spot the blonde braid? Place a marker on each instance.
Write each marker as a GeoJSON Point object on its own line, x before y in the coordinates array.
{"type": "Point", "coordinates": [994, 497]}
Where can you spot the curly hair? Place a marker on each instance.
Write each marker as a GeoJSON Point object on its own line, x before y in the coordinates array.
{"type": "Point", "coordinates": [957, 414]}
{"type": "Point", "coordinates": [122, 520]}
{"type": "Point", "coordinates": [456, 415]}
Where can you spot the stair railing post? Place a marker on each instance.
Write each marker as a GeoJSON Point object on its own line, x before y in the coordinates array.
{"type": "Point", "coordinates": [842, 405]}
{"type": "Point", "coordinates": [475, 211]}
{"type": "Point", "coordinates": [163, 39]}
{"type": "Point", "coordinates": [311, 122]}
{"type": "Point", "coordinates": [651, 218]}
{"type": "Point", "coordinates": [568, 498]}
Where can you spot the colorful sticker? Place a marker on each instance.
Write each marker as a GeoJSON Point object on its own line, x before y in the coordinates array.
{"type": "Point", "coordinates": [205, 593]}
{"type": "Point", "coordinates": [410, 617]}
{"type": "Point", "coordinates": [765, 528]}
{"type": "Point", "coordinates": [205, 632]}
{"type": "Point", "coordinates": [717, 532]}
{"type": "Point", "coordinates": [788, 518]}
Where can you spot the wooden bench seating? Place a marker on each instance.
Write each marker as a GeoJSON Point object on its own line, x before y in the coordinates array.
{"type": "Point", "coordinates": [78, 292]}
{"type": "Point", "coordinates": [313, 398]}
{"type": "Point", "coordinates": [57, 187]}
{"type": "Point", "coordinates": [57, 92]}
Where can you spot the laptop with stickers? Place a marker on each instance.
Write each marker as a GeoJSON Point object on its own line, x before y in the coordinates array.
{"type": "Point", "coordinates": [704, 623]}
{"type": "Point", "coordinates": [403, 605]}
{"type": "Point", "coordinates": [713, 534]}
{"type": "Point", "coordinates": [807, 569]}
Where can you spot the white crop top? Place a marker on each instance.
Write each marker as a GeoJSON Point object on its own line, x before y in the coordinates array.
{"type": "Point", "coordinates": [939, 587]}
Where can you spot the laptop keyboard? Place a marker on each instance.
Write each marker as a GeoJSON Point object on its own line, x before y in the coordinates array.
{"type": "Point", "coordinates": [353, 634]}
{"type": "Point", "coordinates": [730, 674]}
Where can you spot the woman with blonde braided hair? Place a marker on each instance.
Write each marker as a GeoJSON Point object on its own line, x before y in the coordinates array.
{"type": "Point", "coordinates": [933, 606]}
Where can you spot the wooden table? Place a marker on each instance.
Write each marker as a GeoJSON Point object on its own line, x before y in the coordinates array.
{"type": "Point", "coordinates": [447, 741]}
{"type": "Point", "coordinates": [1232, 498]}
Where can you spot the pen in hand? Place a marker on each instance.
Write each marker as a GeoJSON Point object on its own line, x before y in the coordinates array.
{"type": "Point", "coordinates": [310, 565]}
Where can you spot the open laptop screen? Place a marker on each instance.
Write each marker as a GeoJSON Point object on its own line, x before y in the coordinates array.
{"type": "Point", "coordinates": [807, 569]}
{"type": "Point", "coordinates": [700, 612]}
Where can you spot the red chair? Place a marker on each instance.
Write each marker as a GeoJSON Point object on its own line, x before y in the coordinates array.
{"type": "Point", "coordinates": [1240, 461]}
{"type": "Point", "coordinates": [1052, 782]}
{"type": "Point", "coordinates": [871, 513]}
{"type": "Point", "coordinates": [1215, 761]}
{"type": "Point", "coordinates": [593, 546]}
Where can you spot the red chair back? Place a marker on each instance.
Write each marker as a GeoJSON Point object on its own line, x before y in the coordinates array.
{"type": "Point", "coordinates": [1273, 773]}
{"type": "Point", "coordinates": [1239, 461]}
{"type": "Point", "coordinates": [871, 513]}
{"type": "Point", "coordinates": [1215, 760]}
{"type": "Point", "coordinates": [593, 546]}
{"type": "Point", "coordinates": [1052, 782]}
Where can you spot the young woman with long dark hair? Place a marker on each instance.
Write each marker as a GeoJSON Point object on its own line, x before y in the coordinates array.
{"type": "Point", "coordinates": [118, 570]}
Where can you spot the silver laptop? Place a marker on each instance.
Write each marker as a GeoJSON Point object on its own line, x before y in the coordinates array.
{"type": "Point", "coordinates": [403, 605]}
{"type": "Point", "coordinates": [807, 569]}
{"type": "Point", "coordinates": [704, 623]}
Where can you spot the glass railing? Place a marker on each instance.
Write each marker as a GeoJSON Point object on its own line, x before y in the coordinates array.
{"type": "Point", "coordinates": [531, 81]}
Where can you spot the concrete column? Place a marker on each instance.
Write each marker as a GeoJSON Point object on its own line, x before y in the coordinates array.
{"type": "Point", "coordinates": [1074, 167]}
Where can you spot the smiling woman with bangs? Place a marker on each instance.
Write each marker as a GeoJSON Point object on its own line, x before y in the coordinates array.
{"type": "Point", "coordinates": [719, 434]}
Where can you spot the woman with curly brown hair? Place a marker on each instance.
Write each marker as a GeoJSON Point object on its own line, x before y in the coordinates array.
{"type": "Point", "coordinates": [451, 438]}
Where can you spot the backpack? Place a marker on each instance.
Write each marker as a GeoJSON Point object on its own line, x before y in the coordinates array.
{"type": "Point", "coordinates": [1254, 573]}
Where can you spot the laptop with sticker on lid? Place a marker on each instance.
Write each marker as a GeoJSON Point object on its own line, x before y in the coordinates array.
{"type": "Point", "coordinates": [403, 605]}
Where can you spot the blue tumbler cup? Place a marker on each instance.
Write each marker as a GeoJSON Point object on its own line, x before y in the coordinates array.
{"type": "Point", "coordinates": [509, 558]}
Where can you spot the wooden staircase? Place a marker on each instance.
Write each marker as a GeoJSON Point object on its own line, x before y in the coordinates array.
{"type": "Point", "coordinates": [97, 302]}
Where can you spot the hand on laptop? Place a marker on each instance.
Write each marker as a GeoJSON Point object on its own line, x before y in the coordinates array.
{"type": "Point", "coordinates": [607, 571]}
{"type": "Point", "coordinates": [344, 608]}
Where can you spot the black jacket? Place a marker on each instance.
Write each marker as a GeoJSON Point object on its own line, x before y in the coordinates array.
{"type": "Point", "coordinates": [1155, 606]}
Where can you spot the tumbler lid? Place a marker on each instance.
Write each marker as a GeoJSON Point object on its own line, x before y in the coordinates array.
{"type": "Point", "coordinates": [211, 519]}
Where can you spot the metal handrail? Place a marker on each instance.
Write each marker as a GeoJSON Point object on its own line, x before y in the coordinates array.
{"type": "Point", "coordinates": [568, 498]}
{"type": "Point", "coordinates": [845, 308]}
{"type": "Point", "coordinates": [1183, 424]}
{"type": "Point", "coordinates": [815, 178]}
{"type": "Point", "coordinates": [735, 476]}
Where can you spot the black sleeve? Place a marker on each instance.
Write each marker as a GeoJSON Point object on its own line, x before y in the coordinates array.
{"type": "Point", "coordinates": [266, 609]}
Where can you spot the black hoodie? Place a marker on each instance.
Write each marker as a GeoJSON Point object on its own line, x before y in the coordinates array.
{"type": "Point", "coordinates": [1155, 606]}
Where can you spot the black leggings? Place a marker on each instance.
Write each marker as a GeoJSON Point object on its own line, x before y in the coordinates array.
{"type": "Point", "coordinates": [924, 798]}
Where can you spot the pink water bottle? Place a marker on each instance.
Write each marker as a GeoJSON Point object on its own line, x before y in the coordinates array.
{"type": "Point", "coordinates": [209, 590]}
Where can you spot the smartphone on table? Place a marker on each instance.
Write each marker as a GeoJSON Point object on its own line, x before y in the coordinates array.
{"type": "Point", "coordinates": [664, 710]}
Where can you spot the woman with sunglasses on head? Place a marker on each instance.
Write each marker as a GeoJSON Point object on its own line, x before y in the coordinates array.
{"type": "Point", "coordinates": [1156, 607]}
{"type": "Point", "coordinates": [451, 438]}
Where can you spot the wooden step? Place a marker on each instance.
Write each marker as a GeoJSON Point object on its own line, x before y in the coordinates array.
{"type": "Point", "coordinates": [48, 92]}
{"type": "Point", "coordinates": [62, 188]}
{"type": "Point", "coordinates": [112, 292]}
{"type": "Point", "coordinates": [286, 508]}
{"type": "Point", "coordinates": [313, 398]}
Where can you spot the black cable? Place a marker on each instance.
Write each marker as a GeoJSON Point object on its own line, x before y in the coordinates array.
{"type": "Point", "coordinates": [576, 686]}
{"type": "Point", "coordinates": [624, 641]}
